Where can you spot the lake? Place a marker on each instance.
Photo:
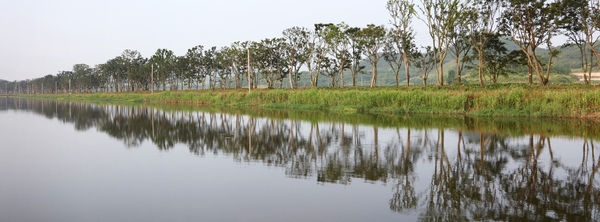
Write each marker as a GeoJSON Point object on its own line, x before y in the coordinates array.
{"type": "Point", "coordinates": [66, 161]}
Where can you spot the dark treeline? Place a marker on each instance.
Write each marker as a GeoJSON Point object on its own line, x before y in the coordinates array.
{"type": "Point", "coordinates": [478, 176]}
{"type": "Point", "coordinates": [473, 33]}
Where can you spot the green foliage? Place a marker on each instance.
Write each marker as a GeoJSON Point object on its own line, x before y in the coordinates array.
{"type": "Point", "coordinates": [451, 76]}
{"type": "Point", "coordinates": [499, 31]}
{"type": "Point", "coordinates": [491, 100]}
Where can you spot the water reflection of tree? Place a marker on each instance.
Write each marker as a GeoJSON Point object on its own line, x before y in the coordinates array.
{"type": "Point", "coordinates": [405, 196]}
{"type": "Point", "coordinates": [478, 186]}
{"type": "Point", "coordinates": [484, 177]}
{"type": "Point", "coordinates": [448, 192]}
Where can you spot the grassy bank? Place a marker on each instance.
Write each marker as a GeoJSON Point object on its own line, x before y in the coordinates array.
{"type": "Point", "coordinates": [495, 100]}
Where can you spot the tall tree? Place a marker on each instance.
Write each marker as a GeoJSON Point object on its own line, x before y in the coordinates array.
{"type": "Point", "coordinates": [373, 39]}
{"type": "Point", "coordinates": [530, 24]}
{"type": "Point", "coordinates": [209, 64]}
{"type": "Point", "coordinates": [223, 66]}
{"type": "Point", "coordinates": [183, 68]}
{"type": "Point", "coordinates": [258, 55]}
{"type": "Point", "coordinates": [579, 22]}
{"type": "Point", "coordinates": [296, 51]}
{"type": "Point", "coordinates": [499, 61]}
{"type": "Point", "coordinates": [440, 16]}
{"type": "Point", "coordinates": [102, 75]}
{"type": "Point", "coordinates": [280, 65]}
{"type": "Point", "coordinates": [82, 76]}
{"type": "Point", "coordinates": [401, 37]}
{"type": "Point", "coordinates": [481, 19]}
{"type": "Point", "coordinates": [338, 43]}
{"type": "Point", "coordinates": [239, 61]}
{"type": "Point", "coordinates": [316, 52]}
{"type": "Point", "coordinates": [268, 60]}
{"type": "Point", "coordinates": [331, 69]}
{"type": "Point", "coordinates": [48, 83]}
{"type": "Point", "coordinates": [356, 51]}
{"type": "Point", "coordinates": [115, 70]}
{"type": "Point", "coordinates": [134, 63]}
{"type": "Point", "coordinates": [460, 46]}
{"type": "Point", "coordinates": [393, 55]}
{"type": "Point", "coordinates": [163, 60]}
{"type": "Point", "coordinates": [64, 79]}
{"type": "Point", "coordinates": [194, 57]}
{"type": "Point", "coordinates": [425, 61]}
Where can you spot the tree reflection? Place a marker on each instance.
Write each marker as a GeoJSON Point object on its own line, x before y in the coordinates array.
{"type": "Point", "coordinates": [443, 174]}
{"type": "Point", "coordinates": [405, 197]}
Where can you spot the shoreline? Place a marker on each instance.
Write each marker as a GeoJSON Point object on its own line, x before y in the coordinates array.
{"type": "Point", "coordinates": [516, 100]}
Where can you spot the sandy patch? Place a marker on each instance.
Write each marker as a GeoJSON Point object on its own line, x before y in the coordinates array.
{"type": "Point", "coordinates": [595, 76]}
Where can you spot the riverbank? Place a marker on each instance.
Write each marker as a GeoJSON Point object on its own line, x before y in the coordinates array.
{"type": "Point", "coordinates": [513, 100]}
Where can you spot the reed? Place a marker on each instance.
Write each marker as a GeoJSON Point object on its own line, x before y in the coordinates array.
{"type": "Point", "coordinates": [493, 100]}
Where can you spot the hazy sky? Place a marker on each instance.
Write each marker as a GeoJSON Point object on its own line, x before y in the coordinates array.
{"type": "Point", "coordinates": [44, 37]}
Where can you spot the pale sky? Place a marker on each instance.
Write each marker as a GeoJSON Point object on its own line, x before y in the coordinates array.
{"type": "Point", "coordinates": [44, 37]}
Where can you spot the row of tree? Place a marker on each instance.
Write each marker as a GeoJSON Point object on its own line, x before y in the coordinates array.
{"type": "Point", "coordinates": [471, 31]}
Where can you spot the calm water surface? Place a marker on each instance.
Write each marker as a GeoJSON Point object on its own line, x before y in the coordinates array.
{"type": "Point", "coordinates": [80, 162]}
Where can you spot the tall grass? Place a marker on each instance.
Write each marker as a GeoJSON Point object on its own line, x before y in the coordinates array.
{"type": "Point", "coordinates": [492, 100]}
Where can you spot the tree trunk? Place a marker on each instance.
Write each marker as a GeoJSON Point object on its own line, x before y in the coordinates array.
{"type": "Point", "coordinates": [593, 50]}
{"type": "Point", "coordinates": [425, 73]}
{"type": "Point", "coordinates": [353, 78]}
{"type": "Point", "coordinates": [342, 73]}
{"type": "Point", "coordinates": [181, 82]}
{"type": "Point", "coordinates": [439, 66]}
{"type": "Point", "coordinates": [406, 68]}
{"type": "Point", "coordinates": [530, 75]}
{"type": "Point", "coordinates": [374, 77]}
{"type": "Point", "coordinates": [291, 76]}
{"type": "Point", "coordinates": [397, 80]}
{"type": "Point", "coordinates": [458, 70]}
{"type": "Point", "coordinates": [312, 78]}
{"type": "Point", "coordinates": [584, 65]}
